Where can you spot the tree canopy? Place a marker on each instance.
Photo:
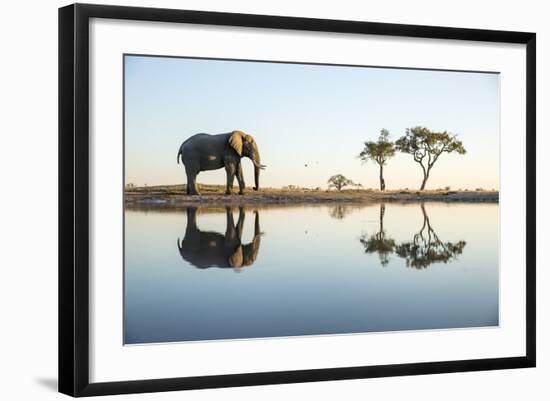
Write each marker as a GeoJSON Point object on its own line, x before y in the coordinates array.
{"type": "Point", "coordinates": [339, 181]}
{"type": "Point", "coordinates": [426, 146]}
{"type": "Point", "coordinates": [379, 152]}
{"type": "Point", "coordinates": [339, 211]}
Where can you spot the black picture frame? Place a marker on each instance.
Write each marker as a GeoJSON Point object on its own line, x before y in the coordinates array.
{"type": "Point", "coordinates": [74, 200]}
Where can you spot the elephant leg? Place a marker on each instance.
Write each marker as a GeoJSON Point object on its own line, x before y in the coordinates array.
{"type": "Point", "coordinates": [191, 181]}
{"type": "Point", "coordinates": [257, 231]}
{"type": "Point", "coordinates": [195, 186]}
{"type": "Point", "coordinates": [240, 222]}
{"type": "Point", "coordinates": [230, 231]}
{"type": "Point", "coordinates": [240, 178]}
{"type": "Point", "coordinates": [192, 218]}
{"type": "Point", "coordinates": [192, 237]}
{"type": "Point", "coordinates": [231, 170]}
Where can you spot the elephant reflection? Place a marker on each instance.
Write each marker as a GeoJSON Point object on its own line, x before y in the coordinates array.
{"type": "Point", "coordinates": [204, 249]}
{"type": "Point", "coordinates": [426, 247]}
{"type": "Point", "coordinates": [378, 242]}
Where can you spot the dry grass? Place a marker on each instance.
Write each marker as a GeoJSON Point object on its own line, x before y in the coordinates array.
{"type": "Point", "coordinates": [175, 196]}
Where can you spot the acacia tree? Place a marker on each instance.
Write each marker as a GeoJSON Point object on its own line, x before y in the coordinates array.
{"type": "Point", "coordinates": [338, 181]}
{"type": "Point", "coordinates": [379, 152]}
{"type": "Point", "coordinates": [426, 146]}
{"type": "Point", "coordinates": [339, 211]}
{"type": "Point", "coordinates": [379, 242]}
{"type": "Point", "coordinates": [426, 247]}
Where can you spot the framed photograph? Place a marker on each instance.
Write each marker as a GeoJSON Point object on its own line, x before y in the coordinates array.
{"type": "Point", "coordinates": [252, 199]}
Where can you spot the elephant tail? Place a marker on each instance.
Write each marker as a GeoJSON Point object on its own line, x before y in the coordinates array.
{"type": "Point", "coordinates": [180, 151]}
{"type": "Point", "coordinates": [180, 154]}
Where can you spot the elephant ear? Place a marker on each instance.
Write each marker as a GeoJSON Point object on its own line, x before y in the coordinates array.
{"type": "Point", "coordinates": [236, 260]}
{"type": "Point", "coordinates": [236, 141]}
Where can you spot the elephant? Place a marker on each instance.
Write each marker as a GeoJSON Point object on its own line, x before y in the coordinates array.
{"type": "Point", "coordinates": [205, 249]}
{"type": "Point", "coordinates": [203, 152]}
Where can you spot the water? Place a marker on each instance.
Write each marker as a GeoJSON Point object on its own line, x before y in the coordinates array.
{"type": "Point", "coordinates": [309, 270]}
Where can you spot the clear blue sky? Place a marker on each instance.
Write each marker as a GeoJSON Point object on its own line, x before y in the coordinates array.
{"type": "Point", "coordinates": [307, 114]}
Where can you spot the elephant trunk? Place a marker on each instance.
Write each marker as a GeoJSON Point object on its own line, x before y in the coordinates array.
{"type": "Point", "coordinates": [257, 166]}
{"type": "Point", "coordinates": [256, 178]}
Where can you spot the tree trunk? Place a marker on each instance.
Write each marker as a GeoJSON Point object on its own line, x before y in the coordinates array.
{"type": "Point", "coordinates": [423, 184]}
{"type": "Point", "coordinates": [425, 180]}
{"type": "Point", "coordinates": [382, 183]}
{"type": "Point", "coordinates": [382, 210]}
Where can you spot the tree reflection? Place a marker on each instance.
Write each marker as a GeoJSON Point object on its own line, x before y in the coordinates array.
{"type": "Point", "coordinates": [378, 242]}
{"type": "Point", "coordinates": [426, 247]}
{"type": "Point", "coordinates": [204, 249]}
{"type": "Point", "coordinates": [339, 211]}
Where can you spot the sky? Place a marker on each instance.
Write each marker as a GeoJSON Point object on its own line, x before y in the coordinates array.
{"type": "Point", "coordinates": [309, 121]}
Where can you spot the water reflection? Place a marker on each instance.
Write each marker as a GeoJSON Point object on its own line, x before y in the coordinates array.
{"type": "Point", "coordinates": [313, 276]}
{"type": "Point", "coordinates": [339, 211]}
{"type": "Point", "coordinates": [204, 249]}
{"type": "Point", "coordinates": [379, 242]}
{"type": "Point", "coordinates": [425, 248]}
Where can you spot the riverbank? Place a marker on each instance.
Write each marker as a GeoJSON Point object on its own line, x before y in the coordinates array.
{"type": "Point", "coordinates": [175, 196]}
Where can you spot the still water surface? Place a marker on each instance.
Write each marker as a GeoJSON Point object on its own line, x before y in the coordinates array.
{"type": "Point", "coordinates": [217, 273]}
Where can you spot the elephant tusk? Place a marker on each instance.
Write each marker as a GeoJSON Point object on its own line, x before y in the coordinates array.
{"type": "Point", "coordinates": [260, 166]}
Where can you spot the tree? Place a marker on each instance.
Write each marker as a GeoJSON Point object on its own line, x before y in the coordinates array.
{"type": "Point", "coordinates": [426, 146]}
{"type": "Point", "coordinates": [339, 211]}
{"type": "Point", "coordinates": [379, 243]}
{"type": "Point", "coordinates": [426, 247]}
{"type": "Point", "coordinates": [379, 152]}
{"type": "Point", "coordinates": [338, 181]}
